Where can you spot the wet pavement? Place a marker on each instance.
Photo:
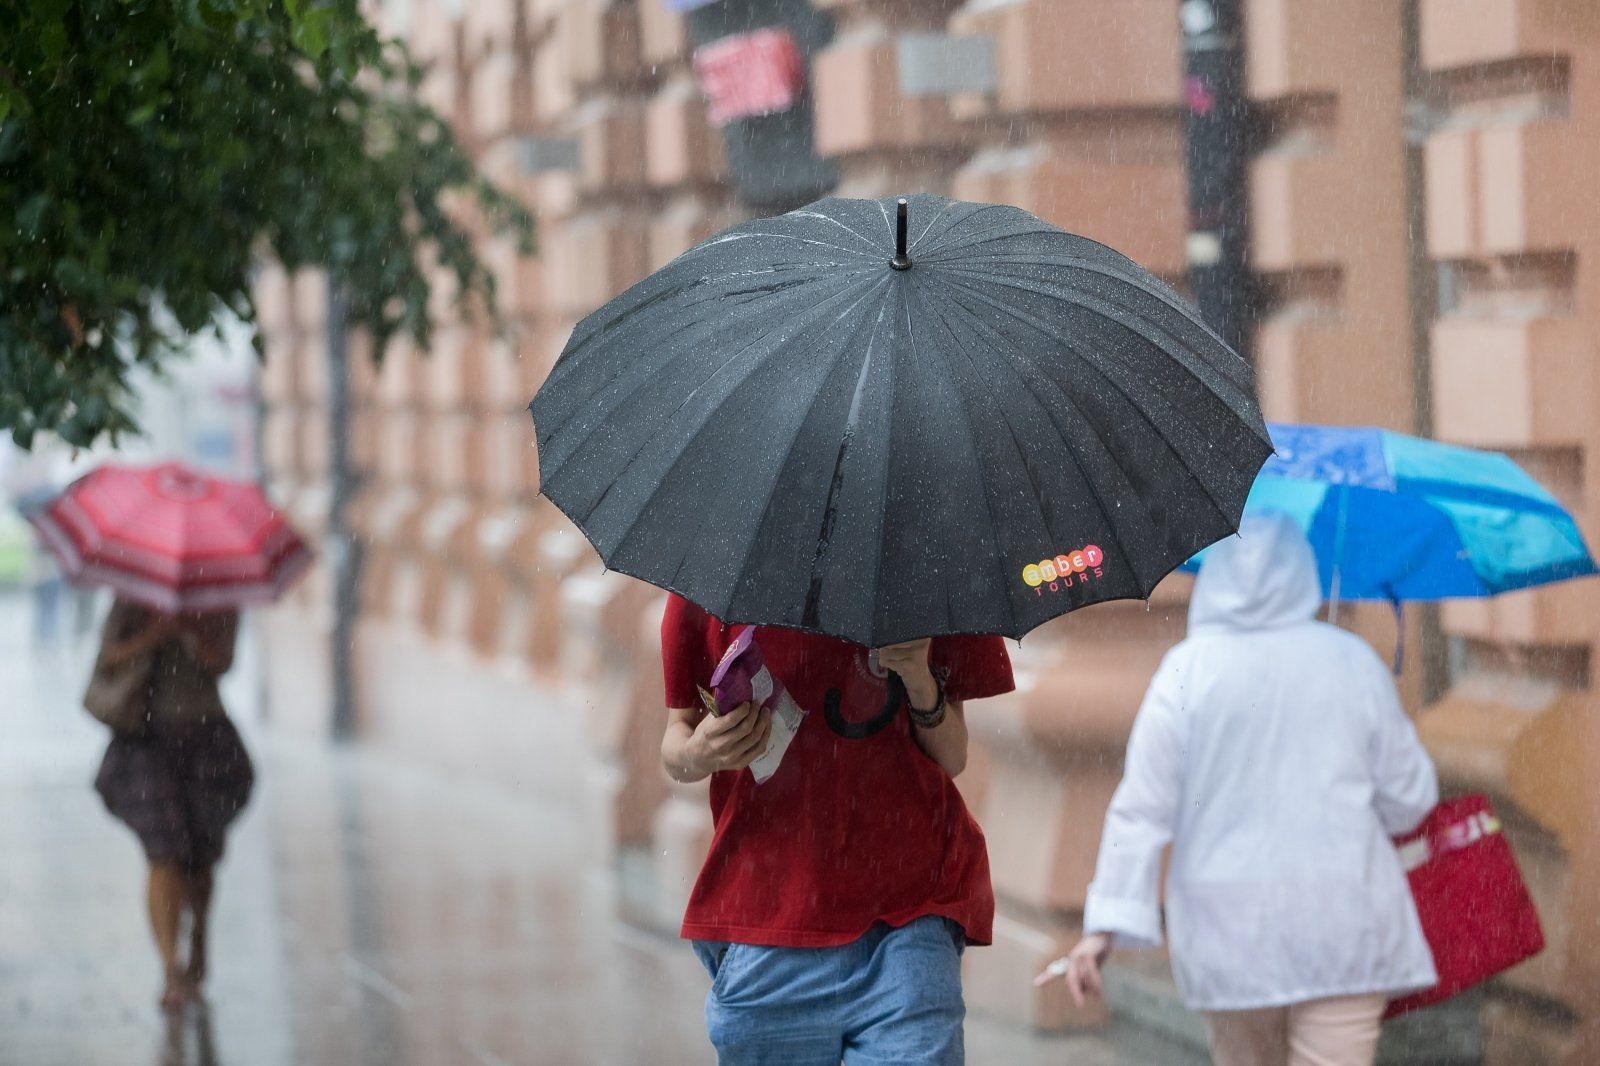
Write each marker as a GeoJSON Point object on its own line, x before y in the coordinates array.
{"type": "Point", "coordinates": [368, 911]}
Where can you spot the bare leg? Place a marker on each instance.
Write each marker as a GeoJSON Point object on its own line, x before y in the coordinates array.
{"type": "Point", "coordinates": [1342, 1031]}
{"type": "Point", "coordinates": [166, 898]}
{"type": "Point", "coordinates": [198, 896]}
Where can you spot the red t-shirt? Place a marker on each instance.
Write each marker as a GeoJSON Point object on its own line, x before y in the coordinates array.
{"type": "Point", "coordinates": [858, 824]}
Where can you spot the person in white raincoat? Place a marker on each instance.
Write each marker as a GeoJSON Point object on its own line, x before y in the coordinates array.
{"type": "Point", "coordinates": [1272, 753]}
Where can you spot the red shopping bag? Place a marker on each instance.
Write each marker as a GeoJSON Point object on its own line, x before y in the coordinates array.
{"type": "Point", "coordinates": [1475, 909]}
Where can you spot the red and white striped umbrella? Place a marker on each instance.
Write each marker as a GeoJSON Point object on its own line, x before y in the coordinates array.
{"type": "Point", "coordinates": [173, 538]}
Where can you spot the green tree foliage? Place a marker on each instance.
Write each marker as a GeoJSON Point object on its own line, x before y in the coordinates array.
{"type": "Point", "coordinates": [153, 151]}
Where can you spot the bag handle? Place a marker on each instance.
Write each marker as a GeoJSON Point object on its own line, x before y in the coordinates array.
{"type": "Point", "coordinates": [1448, 837]}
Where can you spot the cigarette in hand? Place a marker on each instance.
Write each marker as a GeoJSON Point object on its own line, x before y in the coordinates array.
{"type": "Point", "coordinates": [1054, 970]}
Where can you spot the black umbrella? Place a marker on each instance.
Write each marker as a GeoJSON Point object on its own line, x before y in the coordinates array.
{"type": "Point", "coordinates": [799, 423]}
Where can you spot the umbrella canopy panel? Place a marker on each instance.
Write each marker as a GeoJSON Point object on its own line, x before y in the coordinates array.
{"type": "Point", "coordinates": [788, 429]}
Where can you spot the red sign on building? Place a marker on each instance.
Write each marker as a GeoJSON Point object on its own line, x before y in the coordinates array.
{"type": "Point", "coordinates": [750, 74]}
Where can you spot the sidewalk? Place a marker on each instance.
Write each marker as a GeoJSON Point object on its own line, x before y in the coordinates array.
{"type": "Point", "coordinates": [368, 911]}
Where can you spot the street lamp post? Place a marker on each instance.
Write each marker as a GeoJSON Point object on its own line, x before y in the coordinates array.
{"type": "Point", "coordinates": [344, 552]}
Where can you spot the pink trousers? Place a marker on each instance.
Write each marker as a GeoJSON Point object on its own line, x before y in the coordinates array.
{"type": "Point", "coordinates": [1323, 1032]}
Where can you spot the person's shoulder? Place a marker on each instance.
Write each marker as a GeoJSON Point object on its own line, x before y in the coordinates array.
{"type": "Point", "coordinates": [686, 612]}
{"type": "Point", "coordinates": [684, 622]}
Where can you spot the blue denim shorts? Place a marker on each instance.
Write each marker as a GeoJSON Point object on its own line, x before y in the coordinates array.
{"type": "Point", "coordinates": [893, 996]}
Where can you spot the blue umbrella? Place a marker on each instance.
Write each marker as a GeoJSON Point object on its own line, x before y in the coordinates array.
{"type": "Point", "coordinates": [1399, 518]}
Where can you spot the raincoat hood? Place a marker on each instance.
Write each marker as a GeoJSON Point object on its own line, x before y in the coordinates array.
{"type": "Point", "coordinates": [1265, 578]}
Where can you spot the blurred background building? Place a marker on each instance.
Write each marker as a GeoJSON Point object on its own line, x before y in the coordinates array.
{"type": "Point", "coordinates": [1423, 248]}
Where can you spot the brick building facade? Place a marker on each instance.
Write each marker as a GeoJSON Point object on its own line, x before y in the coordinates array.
{"type": "Point", "coordinates": [1425, 239]}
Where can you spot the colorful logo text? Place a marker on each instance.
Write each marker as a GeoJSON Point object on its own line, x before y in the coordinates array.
{"type": "Point", "coordinates": [1065, 570]}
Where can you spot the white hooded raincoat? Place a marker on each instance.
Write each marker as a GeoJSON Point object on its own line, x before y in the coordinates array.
{"type": "Point", "coordinates": [1271, 751]}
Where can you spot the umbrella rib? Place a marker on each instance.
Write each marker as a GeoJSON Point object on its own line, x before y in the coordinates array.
{"type": "Point", "coordinates": [1138, 279]}
{"type": "Point", "coordinates": [704, 288]}
{"type": "Point", "coordinates": [868, 241]}
{"type": "Point", "coordinates": [619, 368]}
{"type": "Point", "coordinates": [1112, 453]}
{"type": "Point", "coordinates": [883, 506]}
{"type": "Point", "coordinates": [1033, 323]}
{"type": "Point", "coordinates": [1085, 469]}
{"type": "Point", "coordinates": [567, 365]}
{"type": "Point", "coordinates": [809, 613]}
{"type": "Point", "coordinates": [645, 381]}
{"type": "Point", "coordinates": [967, 423]}
{"type": "Point", "coordinates": [800, 424]}
{"type": "Point", "coordinates": [715, 288]}
{"type": "Point", "coordinates": [1177, 350]}
{"type": "Point", "coordinates": [1158, 292]}
{"type": "Point", "coordinates": [117, 533]}
{"type": "Point", "coordinates": [983, 210]}
{"type": "Point", "coordinates": [816, 314]}
{"type": "Point", "coordinates": [789, 449]}
{"type": "Point", "coordinates": [726, 237]}
{"type": "Point", "coordinates": [708, 287]}
{"type": "Point", "coordinates": [940, 214]}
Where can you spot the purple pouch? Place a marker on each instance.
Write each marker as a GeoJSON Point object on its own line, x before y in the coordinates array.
{"type": "Point", "coordinates": [742, 676]}
{"type": "Point", "coordinates": [732, 681]}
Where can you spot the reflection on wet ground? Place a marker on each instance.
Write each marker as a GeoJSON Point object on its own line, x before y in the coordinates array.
{"type": "Point", "coordinates": [369, 911]}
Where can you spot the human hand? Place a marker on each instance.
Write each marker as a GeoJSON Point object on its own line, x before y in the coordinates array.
{"type": "Point", "coordinates": [909, 660]}
{"type": "Point", "coordinates": [731, 741]}
{"type": "Point", "coordinates": [1081, 968]}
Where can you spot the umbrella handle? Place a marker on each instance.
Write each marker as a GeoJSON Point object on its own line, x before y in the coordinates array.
{"type": "Point", "coordinates": [901, 260]}
{"type": "Point", "coordinates": [1338, 557]}
{"type": "Point", "coordinates": [1399, 636]}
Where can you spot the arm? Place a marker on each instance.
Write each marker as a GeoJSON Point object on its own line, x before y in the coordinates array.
{"type": "Point", "coordinates": [1124, 902]}
{"type": "Point", "coordinates": [696, 744]}
{"type": "Point", "coordinates": [946, 742]}
{"type": "Point", "coordinates": [1405, 785]}
{"type": "Point", "coordinates": [1127, 890]}
{"type": "Point", "coordinates": [1125, 897]}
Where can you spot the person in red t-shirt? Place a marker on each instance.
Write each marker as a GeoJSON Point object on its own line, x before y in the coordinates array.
{"type": "Point", "coordinates": [837, 895]}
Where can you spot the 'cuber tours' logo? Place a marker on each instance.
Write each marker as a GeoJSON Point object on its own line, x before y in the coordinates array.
{"type": "Point", "coordinates": [1065, 570]}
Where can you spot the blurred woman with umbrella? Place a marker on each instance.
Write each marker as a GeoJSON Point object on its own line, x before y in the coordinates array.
{"type": "Point", "coordinates": [183, 552]}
